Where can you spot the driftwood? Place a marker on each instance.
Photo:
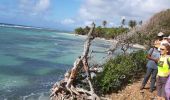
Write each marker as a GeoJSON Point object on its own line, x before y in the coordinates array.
{"type": "Point", "coordinates": [68, 88]}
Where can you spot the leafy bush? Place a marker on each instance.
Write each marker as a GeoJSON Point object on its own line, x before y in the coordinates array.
{"type": "Point", "coordinates": [120, 71]}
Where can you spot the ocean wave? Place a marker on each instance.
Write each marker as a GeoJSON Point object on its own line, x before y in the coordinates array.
{"type": "Point", "coordinates": [71, 35]}
{"type": "Point", "coordinates": [37, 96]}
{"type": "Point", "coordinates": [20, 26]}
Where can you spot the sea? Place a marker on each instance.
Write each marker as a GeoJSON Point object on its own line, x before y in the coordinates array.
{"type": "Point", "coordinates": [33, 59]}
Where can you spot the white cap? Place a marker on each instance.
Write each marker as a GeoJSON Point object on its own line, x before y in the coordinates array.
{"type": "Point", "coordinates": [160, 34]}
{"type": "Point", "coordinates": [169, 37]}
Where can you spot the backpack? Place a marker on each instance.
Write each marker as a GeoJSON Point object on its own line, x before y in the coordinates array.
{"type": "Point", "coordinates": [151, 52]}
{"type": "Point", "coordinates": [168, 62]}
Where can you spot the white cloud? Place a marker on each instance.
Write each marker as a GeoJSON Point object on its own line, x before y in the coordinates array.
{"type": "Point", "coordinates": [123, 17]}
{"type": "Point", "coordinates": [87, 23]}
{"type": "Point", "coordinates": [42, 5]}
{"type": "Point", "coordinates": [68, 21]}
{"type": "Point", "coordinates": [34, 7]}
{"type": "Point", "coordinates": [113, 10]}
{"type": "Point", "coordinates": [111, 24]}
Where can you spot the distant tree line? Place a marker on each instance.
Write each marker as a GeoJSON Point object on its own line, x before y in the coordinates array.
{"type": "Point", "coordinates": [109, 33]}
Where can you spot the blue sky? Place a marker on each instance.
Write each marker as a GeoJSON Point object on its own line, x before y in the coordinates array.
{"type": "Point", "coordinates": [68, 14]}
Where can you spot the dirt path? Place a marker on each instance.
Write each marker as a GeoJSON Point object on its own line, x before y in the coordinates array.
{"type": "Point", "coordinates": [133, 92]}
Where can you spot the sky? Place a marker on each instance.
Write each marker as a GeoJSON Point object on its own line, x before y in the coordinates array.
{"type": "Point", "coordinates": [70, 14]}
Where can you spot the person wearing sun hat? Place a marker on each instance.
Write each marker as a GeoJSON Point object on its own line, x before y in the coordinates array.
{"type": "Point", "coordinates": [163, 72]}
{"type": "Point", "coordinates": [153, 57]}
{"type": "Point", "coordinates": [160, 36]}
{"type": "Point", "coordinates": [161, 39]}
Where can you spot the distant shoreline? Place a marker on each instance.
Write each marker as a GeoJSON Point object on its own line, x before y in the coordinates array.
{"type": "Point", "coordinates": [138, 46]}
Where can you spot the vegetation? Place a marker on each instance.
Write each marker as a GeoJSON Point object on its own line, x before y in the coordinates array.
{"type": "Point", "coordinates": [140, 22]}
{"type": "Point", "coordinates": [107, 33]}
{"type": "Point", "coordinates": [132, 23]}
{"type": "Point", "coordinates": [79, 31]}
{"type": "Point", "coordinates": [104, 23]}
{"type": "Point", "coordinates": [120, 71]}
{"type": "Point", "coordinates": [160, 22]}
{"type": "Point", "coordinates": [123, 22]}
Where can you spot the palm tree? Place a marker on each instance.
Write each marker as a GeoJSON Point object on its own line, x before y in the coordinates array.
{"type": "Point", "coordinates": [140, 23]}
{"type": "Point", "coordinates": [86, 29]}
{"type": "Point", "coordinates": [132, 23]}
{"type": "Point", "coordinates": [123, 22]}
{"type": "Point", "coordinates": [104, 23]}
{"type": "Point", "coordinates": [98, 32]}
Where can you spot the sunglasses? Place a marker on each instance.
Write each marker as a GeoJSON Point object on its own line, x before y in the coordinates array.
{"type": "Point", "coordinates": [162, 49]}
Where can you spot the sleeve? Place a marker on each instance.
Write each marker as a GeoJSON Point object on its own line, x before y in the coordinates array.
{"type": "Point", "coordinates": [150, 51]}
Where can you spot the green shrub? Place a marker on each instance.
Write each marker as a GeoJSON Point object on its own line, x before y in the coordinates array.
{"type": "Point", "coordinates": [120, 71]}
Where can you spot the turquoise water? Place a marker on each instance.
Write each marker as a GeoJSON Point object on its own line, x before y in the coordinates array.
{"type": "Point", "coordinates": [32, 60]}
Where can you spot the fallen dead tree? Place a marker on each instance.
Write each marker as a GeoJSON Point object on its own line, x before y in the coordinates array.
{"type": "Point", "coordinates": [70, 87]}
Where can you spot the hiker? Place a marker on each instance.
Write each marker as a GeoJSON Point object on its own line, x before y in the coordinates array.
{"type": "Point", "coordinates": [163, 71]}
{"type": "Point", "coordinates": [159, 39]}
{"type": "Point", "coordinates": [165, 41]}
{"type": "Point", "coordinates": [153, 56]}
{"type": "Point", "coordinates": [160, 36]}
